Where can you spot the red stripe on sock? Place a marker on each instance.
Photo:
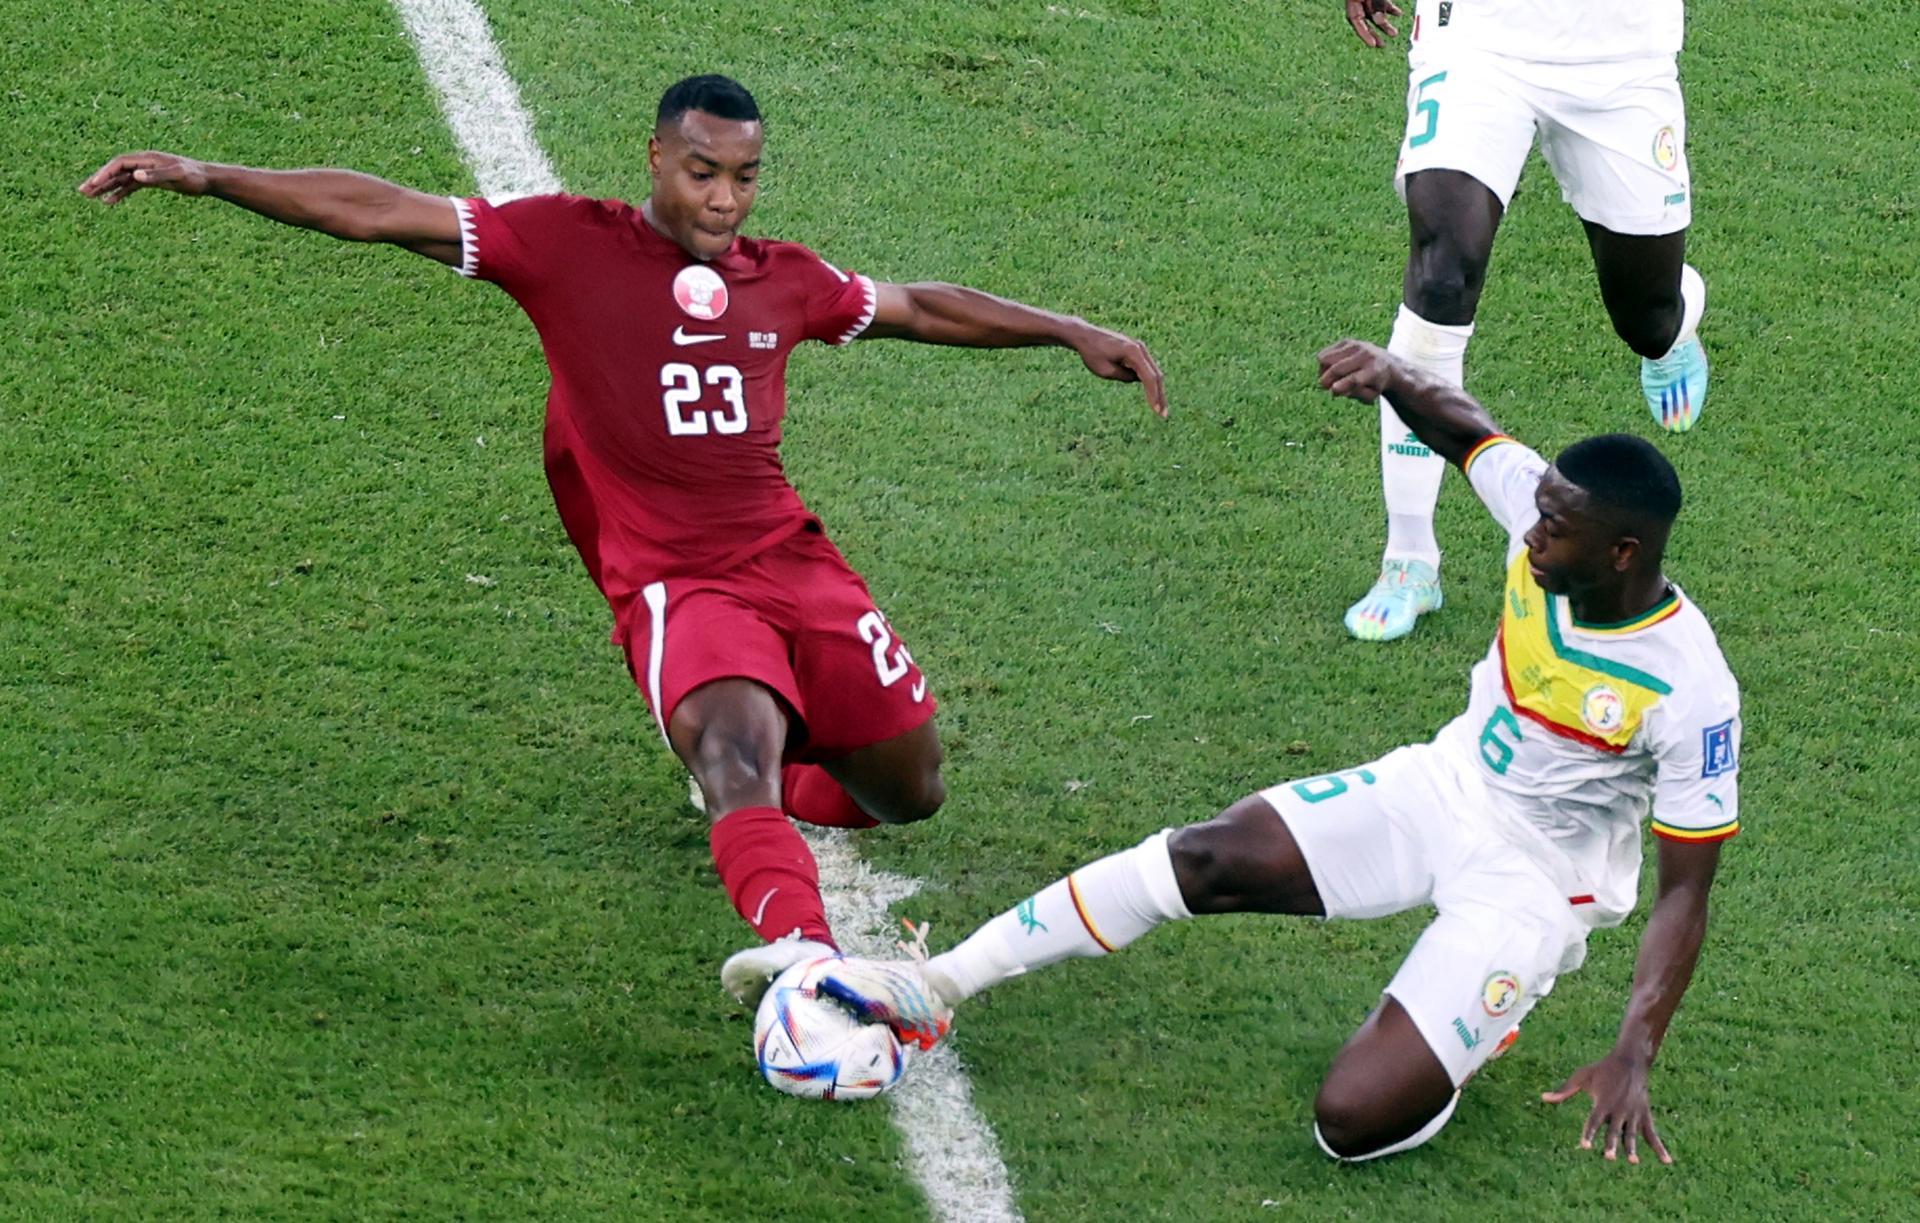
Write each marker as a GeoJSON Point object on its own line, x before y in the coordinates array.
{"type": "Point", "coordinates": [769, 874]}
{"type": "Point", "coordinates": [812, 796]}
{"type": "Point", "coordinates": [1086, 918]}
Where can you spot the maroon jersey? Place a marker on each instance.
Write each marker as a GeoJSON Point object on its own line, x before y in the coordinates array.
{"type": "Point", "coordinates": [669, 378]}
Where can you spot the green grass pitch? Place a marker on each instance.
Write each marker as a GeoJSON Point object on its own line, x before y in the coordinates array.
{"type": "Point", "coordinates": [336, 881]}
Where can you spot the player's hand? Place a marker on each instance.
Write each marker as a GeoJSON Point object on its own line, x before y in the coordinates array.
{"type": "Point", "coordinates": [1123, 359]}
{"type": "Point", "coordinates": [1618, 1085]}
{"type": "Point", "coordinates": [1355, 369]}
{"type": "Point", "coordinates": [129, 172]}
{"type": "Point", "coordinates": [1369, 20]}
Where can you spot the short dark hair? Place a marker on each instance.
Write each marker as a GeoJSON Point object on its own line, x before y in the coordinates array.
{"type": "Point", "coordinates": [1624, 473]}
{"type": "Point", "coordinates": [719, 96]}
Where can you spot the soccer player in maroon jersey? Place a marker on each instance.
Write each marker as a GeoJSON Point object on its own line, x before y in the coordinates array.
{"type": "Point", "coordinates": [768, 668]}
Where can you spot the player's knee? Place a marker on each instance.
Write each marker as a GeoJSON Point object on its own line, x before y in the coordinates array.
{"type": "Point", "coordinates": [915, 801]}
{"type": "Point", "coordinates": [1243, 860]}
{"type": "Point", "coordinates": [1353, 1122]}
{"type": "Point", "coordinates": [1195, 851]}
{"type": "Point", "coordinates": [1444, 278]}
{"type": "Point", "coordinates": [1444, 286]}
{"type": "Point", "coordinates": [1344, 1121]}
{"type": "Point", "coordinates": [1348, 1126]}
{"type": "Point", "coordinates": [1213, 865]}
{"type": "Point", "coordinates": [735, 769]}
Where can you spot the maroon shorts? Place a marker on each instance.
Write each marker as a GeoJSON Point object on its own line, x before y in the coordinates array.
{"type": "Point", "coordinates": [795, 618]}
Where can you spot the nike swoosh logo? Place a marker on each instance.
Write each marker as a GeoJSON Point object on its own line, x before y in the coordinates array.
{"type": "Point", "coordinates": [762, 910]}
{"type": "Point", "coordinates": [920, 690]}
{"type": "Point", "coordinates": [683, 337]}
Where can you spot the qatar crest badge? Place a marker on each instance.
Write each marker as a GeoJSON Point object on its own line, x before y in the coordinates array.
{"type": "Point", "coordinates": [699, 291]}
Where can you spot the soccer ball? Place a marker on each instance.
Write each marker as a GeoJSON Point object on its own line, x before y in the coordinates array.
{"type": "Point", "coordinates": [811, 1046]}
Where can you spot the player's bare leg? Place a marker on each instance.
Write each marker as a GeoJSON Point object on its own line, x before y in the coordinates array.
{"type": "Point", "coordinates": [731, 735]}
{"type": "Point", "coordinates": [1640, 285]}
{"type": "Point", "coordinates": [1380, 1094]}
{"type": "Point", "coordinates": [1452, 219]}
{"type": "Point", "coordinates": [1655, 301]}
{"type": "Point", "coordinates": [1243, 860]}
{"type": "Point", "coordinates": [1386, 1092]}
{"type": "Point", "coordinates": [897, 780]}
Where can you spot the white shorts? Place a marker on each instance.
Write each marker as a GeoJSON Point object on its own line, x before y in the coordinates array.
{"type": "Point", "coordinates": [1409, 830]}
{"type": "Point", "coordinates": [1615, 132]}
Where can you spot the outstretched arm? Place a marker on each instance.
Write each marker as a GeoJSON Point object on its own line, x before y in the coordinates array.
{"type": "Point", "coordinates": [1450, 421]}
{"type": "Point", "coordinates": [342, 203]}
{"type": "Point", "coordinates": [1668, 951]}
{"type": "Point", "coordinates": [968, 318]}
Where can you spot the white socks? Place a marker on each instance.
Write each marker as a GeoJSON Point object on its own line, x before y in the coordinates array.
{"type": "Point", "coordinates": [1409, 472]}
{"type": "Point", "coordinates": [1693, 296]}
{"type": "Point", "coordinates": [1097, 909]}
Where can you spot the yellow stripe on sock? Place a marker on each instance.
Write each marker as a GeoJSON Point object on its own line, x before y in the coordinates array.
{"type": "Point", "coordinates": [1086, 919]}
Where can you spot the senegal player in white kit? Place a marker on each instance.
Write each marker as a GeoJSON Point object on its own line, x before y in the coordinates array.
{"type": "Point", "coordinates": [1596, 82]}
{"type": "Point", "coordinates": [1603, 700]}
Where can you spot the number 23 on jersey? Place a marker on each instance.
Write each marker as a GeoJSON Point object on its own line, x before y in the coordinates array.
{"type": "Point", "coordinates": [685, 388]}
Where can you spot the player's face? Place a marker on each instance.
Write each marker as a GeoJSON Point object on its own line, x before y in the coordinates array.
{"type": "Point", "coordinates": [706, 171]}
{"type": "Point", "coordinates": [1572, 550]}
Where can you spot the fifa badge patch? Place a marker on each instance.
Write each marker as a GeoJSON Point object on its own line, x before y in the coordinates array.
{"type": "Point", "coordinates": [699, 291]}
{"type": "Point", "coordinates": [1446, 13]}
{"type": "Point", "coordinates": [1499, 994]}
{"type": "Point", "coordinates": [1602, 709]}
{"type": "Point", "coordinates": [1716, 749]}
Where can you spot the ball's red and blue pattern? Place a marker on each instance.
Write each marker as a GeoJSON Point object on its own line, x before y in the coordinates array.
{"type": "Point", "coordinates": [811, 1046]}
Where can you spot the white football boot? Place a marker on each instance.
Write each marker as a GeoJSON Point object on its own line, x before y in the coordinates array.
{"type": "Point", "coordinates": [746, 974]}
{"type": "Point", "coordinates": [894, 992]}
{"type": "Point", "coordinates": [1407, 590]}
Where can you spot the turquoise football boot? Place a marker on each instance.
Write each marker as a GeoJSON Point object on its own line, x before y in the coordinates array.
{"type": "Point", "coordinates": [1676, 386]}
{"type": "Point", "coordinates": [1407, 590]}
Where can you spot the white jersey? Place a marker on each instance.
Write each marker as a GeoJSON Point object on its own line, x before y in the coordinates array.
{"type": "Point", "coordinates": [1554, 31]}
{"type": "Point", "coordinates": [1580, 730]}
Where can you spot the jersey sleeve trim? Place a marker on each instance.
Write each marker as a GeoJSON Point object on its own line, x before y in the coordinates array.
{"type": "Point", "coordinates": [866, 314]}
{"type": "Point", "coordinates": [469, 238]}
{"type": "Point", "coordinates": [1481, 447]}
{"type": "Point", "coordinates": [1696, 835]}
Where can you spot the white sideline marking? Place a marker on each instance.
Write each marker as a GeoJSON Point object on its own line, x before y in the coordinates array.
{"type": "Point", "coordinates": [479, 99]}
{"type": "Point", "coordinates": [950, 1147]}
